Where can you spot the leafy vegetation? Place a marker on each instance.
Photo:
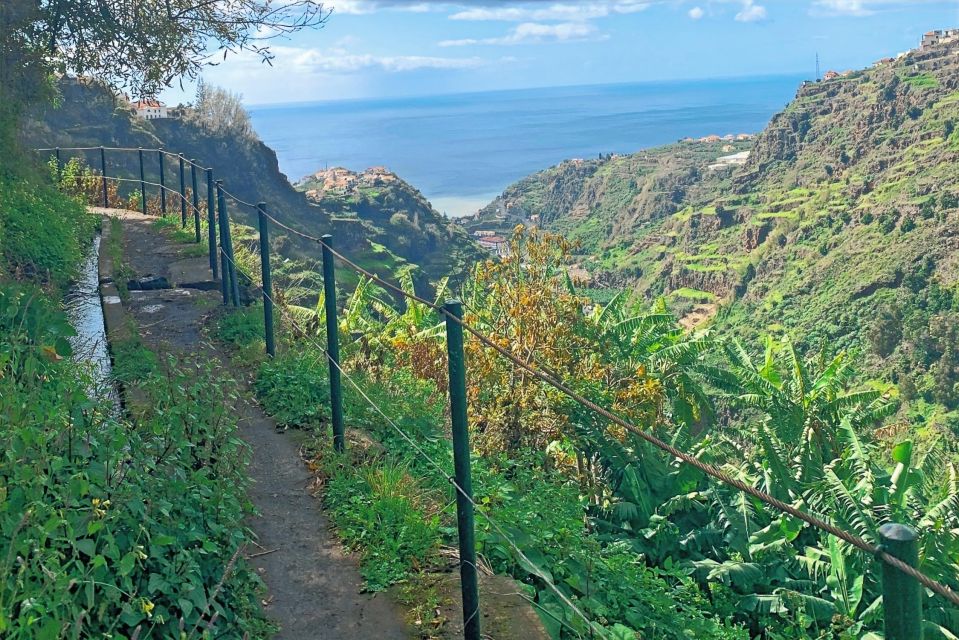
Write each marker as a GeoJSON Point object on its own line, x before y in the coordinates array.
{"type": "Point", "coordinates": [636, 540]}
{"type": "Point", "coordinates": [112, 526]}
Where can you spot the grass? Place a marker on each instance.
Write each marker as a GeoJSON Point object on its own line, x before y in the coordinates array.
{"type": "Point", "coordinates": [99, 551]}
{"type": "Point", "coordinates": [920, 81]}
{"type": "Point", "coordinates": [694, 294]}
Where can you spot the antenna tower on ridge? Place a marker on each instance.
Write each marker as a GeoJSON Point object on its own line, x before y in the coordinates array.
{"type": "Point", "coordinates": [818, 77]}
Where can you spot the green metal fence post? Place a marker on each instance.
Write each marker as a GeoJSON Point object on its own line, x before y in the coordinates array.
{"type": "Point", "coordinates": [461, 466]}
{"type": "Point", "coordinates": [162, 183]}
{"type": "Point", "coordinates": [182, 192]}
{"type": "Point", "coordinates": [333, 345]}
{"type": "Point", "coordinates": [143, 185]}
{"type": "Point", "coordinates": [224, 267]}
{"type": "Point", "coordinates": [901, 594]}
{"type": "Point", "coordinates": [196, 202]}
{"type": "Point", "coordinates": [267, 279]}
{"type": "Point", "coordinates": [211, 221]}
{"type": "Point", "coordinates": [103, 175]}
{"type": "Point", "coordinates": [228, 250]}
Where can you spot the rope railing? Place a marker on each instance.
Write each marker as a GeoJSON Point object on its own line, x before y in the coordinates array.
{"type": "Point", "coordinates": [891, 552]}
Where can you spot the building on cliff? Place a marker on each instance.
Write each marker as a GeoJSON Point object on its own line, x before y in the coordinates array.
{"type": "Point", "coordinates": [497, 245]}
{"type": "Point", "coordinates": [941, 36]}
{"type": "Point", "coordinates": [150, 109]}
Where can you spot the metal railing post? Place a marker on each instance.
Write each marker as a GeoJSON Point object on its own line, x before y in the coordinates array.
{"type": "Point", "coordinates": [461, 465]}
{"type": "Point", "coordinates": [901, 594]}
{"type": "Point", "coordinates": [182, 192]}
{"type": "Point", "coordinates": [267, 279]}
{"type": "Point", "coordinates": [143, 184]}
{"type": "Point", "coordinates": [196, 203]}
{"type": "Point", "coordinates": [227, 243]}
{"type": "Point", "coordinates": [103, 176]}
{"type": "Point", "coordinates": [162, 183]}
{"type": "Point", "coordinates": [211, 221]}
{"type": "Point", "coordinates": [224, 267]}
{"type": "Point", "coordinates": [59, 168]}
{"type": "Point", "coordinates": [333, 345]}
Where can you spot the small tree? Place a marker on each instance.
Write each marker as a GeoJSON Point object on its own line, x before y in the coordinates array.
{"type": "Point", "coordinates": [221, 111]}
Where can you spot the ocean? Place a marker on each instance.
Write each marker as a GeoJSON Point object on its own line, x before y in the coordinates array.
{"type": "Point", "coordinates": [462, 150]}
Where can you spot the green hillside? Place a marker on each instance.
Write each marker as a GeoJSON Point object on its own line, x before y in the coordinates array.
{"type": "Point", "coordinates": [402, 217]}
{"type": "Point", "coordinates": [839, 227]}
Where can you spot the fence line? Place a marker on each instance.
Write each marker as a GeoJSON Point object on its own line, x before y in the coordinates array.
{"type": "Point", "coordinates": [426, 457]}
{"type": "Point", "coordinates": [854, 540]}
{"type": "Point", "coordinates": [706, 468]}
{"type": "Point", "coordinates": [881, 552]}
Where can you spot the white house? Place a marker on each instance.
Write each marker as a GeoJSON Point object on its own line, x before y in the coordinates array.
{"type": "Point", "coordinates": [932, 38]}
{"type": "Point", "coordinates": [150, 109]}
{"type": "Point", "coordinates": [497, 245]}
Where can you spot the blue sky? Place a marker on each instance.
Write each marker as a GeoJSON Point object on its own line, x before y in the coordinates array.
{"type": "Point", "coordinates": [386, 48]}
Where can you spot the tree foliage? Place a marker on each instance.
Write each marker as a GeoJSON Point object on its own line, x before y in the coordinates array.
{"type": "Point", "coordinates": [145, 45]}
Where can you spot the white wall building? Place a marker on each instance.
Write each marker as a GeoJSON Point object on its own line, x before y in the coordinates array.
{"type": "Point", "coordinates": [150, 109]}
{"type": "Point", "coordinates": [932, 38]}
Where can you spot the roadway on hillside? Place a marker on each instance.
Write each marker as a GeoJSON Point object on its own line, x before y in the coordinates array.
{"type": "Point", "coordinates": [314, 586]}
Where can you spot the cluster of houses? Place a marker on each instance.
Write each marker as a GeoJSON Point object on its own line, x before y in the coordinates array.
{"type": "Point", "coordinates": [941, 36]}
{"type": "Point", "coordinates": [929, 39]}
{"type": "Point", "coordinates": [717, 138]}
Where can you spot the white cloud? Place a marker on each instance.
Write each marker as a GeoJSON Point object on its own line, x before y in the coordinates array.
{"type": "Point", "coordinates": [751, 12]}
{"type": "Point", "coordinates": [860, 8]}
{"type": "Point", "coordinates": [360, 7]}
{"type": "Point", "coordinates": [843, 7]}
{"type": "Point", "coordinates": [696, 13]}
{"type": "Point", "coordinates": [564, 11]}
{"type": "Point", "coordinates": [312, 60]}
{"type": "Point", "coordinates": [535, 33]}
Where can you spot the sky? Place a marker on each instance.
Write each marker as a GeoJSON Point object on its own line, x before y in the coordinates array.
{"type": "Point", "coordinates": [391, 48]}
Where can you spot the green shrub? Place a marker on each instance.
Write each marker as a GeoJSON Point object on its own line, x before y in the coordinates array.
{"type": "Point", "coordinates": [379, 508]}
{"type": "Point", "coordinates": [43, 234]}
{"type": "Point", "coordinates": [109, 527]}
{"type": "Point", "coordinates": [294, 388]}
{"type": "Point", "coordinates": [242, 327]}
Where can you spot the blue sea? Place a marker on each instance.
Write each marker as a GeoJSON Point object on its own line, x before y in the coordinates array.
{"type": "Point", "coordinates": [461, 150]}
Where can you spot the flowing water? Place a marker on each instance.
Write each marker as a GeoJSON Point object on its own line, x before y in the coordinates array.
{"type": "Point", "coordinates": [85, 310]}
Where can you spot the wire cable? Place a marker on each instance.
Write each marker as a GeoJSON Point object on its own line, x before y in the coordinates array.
{"type": "Point", "coordinates": [429, 459]}
{"type": "Point", "coordinates": [156, 184]}
{"type": "Point", "coordinates": [237, 200]}
{"type": "Point", "coordinates": [708, 469]}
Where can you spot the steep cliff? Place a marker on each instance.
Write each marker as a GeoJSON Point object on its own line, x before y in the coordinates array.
{"type": "Point", "coordinates": [396, 213]}
{"type": "Point", "coordinates": [90, 115]}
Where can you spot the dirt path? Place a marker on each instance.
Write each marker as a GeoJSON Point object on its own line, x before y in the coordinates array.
{"type": "Point", "coordinates": [314, 586]}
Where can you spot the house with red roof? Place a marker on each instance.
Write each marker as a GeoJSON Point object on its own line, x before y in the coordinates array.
{"type": "Point", "coordinates": [150, 109]}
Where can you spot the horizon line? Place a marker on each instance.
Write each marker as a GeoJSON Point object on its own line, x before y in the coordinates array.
{"type": "Point", "coordinates": [791, 74]}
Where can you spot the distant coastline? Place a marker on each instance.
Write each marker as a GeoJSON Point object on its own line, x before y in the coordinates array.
{"type": "Point", "coordinates": [461, 150]}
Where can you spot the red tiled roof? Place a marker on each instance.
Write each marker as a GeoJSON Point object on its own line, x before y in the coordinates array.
{"type": "Point", "coordinates": [148, 103]}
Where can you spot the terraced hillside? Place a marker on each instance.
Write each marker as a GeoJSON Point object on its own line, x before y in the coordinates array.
{"type": "Point", "coordinates": [846, 202]}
